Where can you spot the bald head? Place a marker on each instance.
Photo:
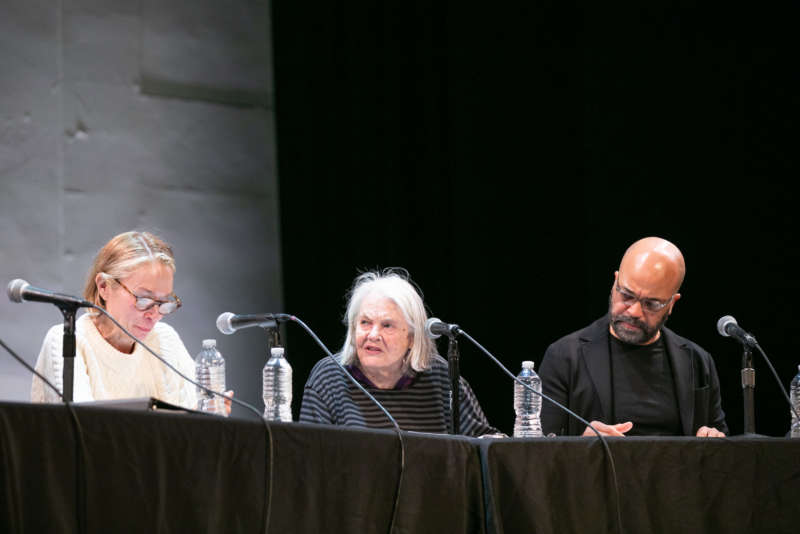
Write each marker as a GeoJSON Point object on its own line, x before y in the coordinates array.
{"type": "Point", "coordinates": [656, 262]}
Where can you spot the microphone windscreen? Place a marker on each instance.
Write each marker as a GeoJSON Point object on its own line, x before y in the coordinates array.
{"type": "Point", "coordinates": [428, 324]}
{"type": "Point", "coordinates": [15, 288]}
{"type": "Point", "coordinates": [224, 323]}
{"type": "Point", "coordinates": [723, 322]}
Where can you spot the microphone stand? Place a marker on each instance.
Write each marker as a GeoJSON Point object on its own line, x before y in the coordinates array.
{"type": "Point", "coordinates": [748, 390]}
{"type": "Point", "coordinates": [68, 349]}
{"type": "Point", "coordinates": [273, 337]}
{"type": "Point", "coordinates": [455, 391]}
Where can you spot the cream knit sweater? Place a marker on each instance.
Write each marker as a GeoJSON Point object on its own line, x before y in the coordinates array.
{"type": "Point", "coordinates": [103, 373]}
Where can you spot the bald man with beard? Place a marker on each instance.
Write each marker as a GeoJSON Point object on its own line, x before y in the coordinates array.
{"type": "Point", "coordinates": [627, 373]}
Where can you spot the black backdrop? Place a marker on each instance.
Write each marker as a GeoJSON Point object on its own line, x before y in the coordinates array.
{"type": "Point", "coordinates": [507, 155]}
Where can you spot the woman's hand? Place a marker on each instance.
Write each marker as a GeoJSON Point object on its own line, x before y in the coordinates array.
{"type": "Point", "coordinates": [228, 402]}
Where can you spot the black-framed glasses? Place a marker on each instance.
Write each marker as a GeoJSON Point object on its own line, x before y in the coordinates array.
{"type": "Point", "coordinates": [165, 307]}
{"type": "Point", "coordinates": [648, 304]}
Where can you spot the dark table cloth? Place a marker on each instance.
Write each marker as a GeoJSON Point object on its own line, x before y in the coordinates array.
{"type": "Point", "coordinates": [159, 471]}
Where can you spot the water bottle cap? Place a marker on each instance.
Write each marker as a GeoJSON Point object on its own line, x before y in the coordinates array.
{"type": "Point", "coordinates": [276, 351]}
{"type": "Point", "coordinates": [527, 364]}
{"type": "Point", "coordinates": [209, 343]}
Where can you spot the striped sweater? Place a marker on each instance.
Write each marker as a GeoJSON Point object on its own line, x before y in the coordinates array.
{"type": "Point", "coordinates": [424, 406]}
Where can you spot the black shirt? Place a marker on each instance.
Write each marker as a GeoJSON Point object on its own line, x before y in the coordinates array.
{"type": "Point", "coordinates": [643, 389]}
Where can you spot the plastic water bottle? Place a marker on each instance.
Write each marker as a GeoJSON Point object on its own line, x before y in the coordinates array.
{"type": "Point", "coordinates": [277, 387]}
{"type": "Point", "coordinates": [528, 405]}
{"type": "Point", "coordinates": [794, 395]}
{"type": "Point", "coordinates": [209, 371]}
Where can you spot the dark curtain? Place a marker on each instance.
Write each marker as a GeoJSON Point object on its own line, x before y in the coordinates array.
{"type": "Point", "coordinates": [507, 155]}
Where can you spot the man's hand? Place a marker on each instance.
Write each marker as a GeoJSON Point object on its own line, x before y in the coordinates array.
{"type": "Point", "coordinates": [708, 432]}
{"type": "Point", "coordinates": [608, 430]}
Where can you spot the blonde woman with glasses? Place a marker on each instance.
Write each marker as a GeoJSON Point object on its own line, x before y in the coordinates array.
{"type": "Point", "coordinates": [131, 278]}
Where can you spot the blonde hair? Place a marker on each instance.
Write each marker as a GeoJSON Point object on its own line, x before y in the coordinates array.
{"type": "Point", "coordinates": [393, 284]}
{"type": "Point", "coordinates": [121, 255]}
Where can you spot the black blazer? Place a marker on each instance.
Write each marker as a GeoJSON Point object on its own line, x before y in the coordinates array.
{"type": "Point", "coordinates": [576, 371]}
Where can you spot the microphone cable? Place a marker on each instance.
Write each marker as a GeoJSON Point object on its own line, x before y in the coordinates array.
{"type": "Point", "coordinates": [570, 412]}
{"type": "Point", "coordinates": [777, 379]}
{"type": "Point", "coordinates": [81, 451]}
{"type": "Point", "coordinates": [269, 476]}
{"type": "Point", "coordinates": [396, 503]}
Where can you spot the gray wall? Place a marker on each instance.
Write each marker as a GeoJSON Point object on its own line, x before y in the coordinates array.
{"type": "Point", "coordinates": [148, 115]}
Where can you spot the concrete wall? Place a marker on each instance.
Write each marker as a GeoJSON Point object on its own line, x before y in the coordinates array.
{"type": "Point", "coordinates": [149, 115]}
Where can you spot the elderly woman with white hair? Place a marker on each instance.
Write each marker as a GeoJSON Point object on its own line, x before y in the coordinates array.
{"type": "Point", "coordinates": [387, 351]}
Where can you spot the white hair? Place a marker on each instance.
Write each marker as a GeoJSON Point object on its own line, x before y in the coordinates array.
{"type": "Point", "coordinates": [392, 284]}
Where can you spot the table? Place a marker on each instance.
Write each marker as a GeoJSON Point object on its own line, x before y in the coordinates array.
{"type": "Point", "coordinates": [169, 472]}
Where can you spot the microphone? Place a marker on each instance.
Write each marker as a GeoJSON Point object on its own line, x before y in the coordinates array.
{"type": "Point", "coordinates": [228, 323]}
{"type": "Point", "coordinates": [728, 327]}
{"type": "Point", "coordinates": [19, 290]}
{"type": "Point", "coordinates": [436, 328]}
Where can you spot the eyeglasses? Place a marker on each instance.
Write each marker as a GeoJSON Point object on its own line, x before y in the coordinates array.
{"type": "Point", "coordinates": [165, 307]}
{"type": "Point", "coordinates": [648, 304]}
